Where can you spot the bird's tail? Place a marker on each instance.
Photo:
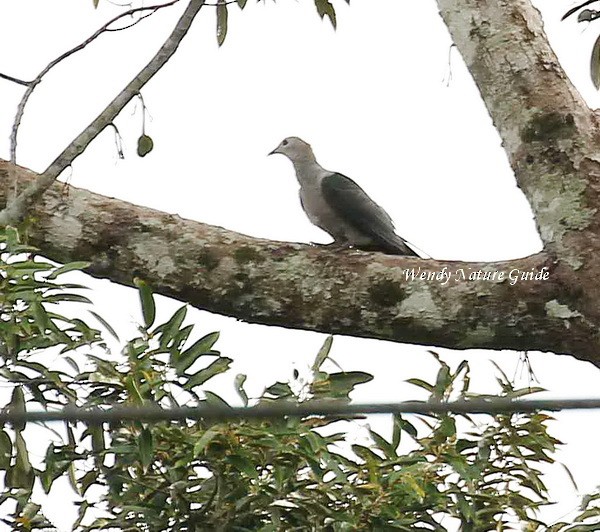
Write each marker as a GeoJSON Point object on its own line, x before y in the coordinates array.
{"type": "Point", "coordinates": [398, 246]}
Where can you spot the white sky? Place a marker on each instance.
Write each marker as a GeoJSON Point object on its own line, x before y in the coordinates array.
{"type": "Point", "coordinates": [375, 101]}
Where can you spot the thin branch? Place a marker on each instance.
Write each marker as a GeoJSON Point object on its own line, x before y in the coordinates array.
{"type": "Point", "coordinates": [152, 413]}
{"type": "Point", "coordinates": [33, 84]}
{"type": "Point", "coordinates": [15, 80]}
{"type": "Point", "coordinates": [17, 207]}
{"type": "Point", "coordinates": [137, 21]}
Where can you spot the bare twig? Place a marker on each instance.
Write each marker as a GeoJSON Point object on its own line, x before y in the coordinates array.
{"type": "Point", "coordinates": [153, 413]}
{"type": "Point", "coordinates": [15, 80]}
{"type": "Point", "coordinates": [16, 208]}
{"type": "Point", "coordinates": [141, 17]}
{"type": "Point", "coordinates": [33, 84]}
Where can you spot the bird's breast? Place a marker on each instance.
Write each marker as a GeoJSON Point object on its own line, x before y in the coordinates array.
{"type": "Point", "coordinates": [322, 215]}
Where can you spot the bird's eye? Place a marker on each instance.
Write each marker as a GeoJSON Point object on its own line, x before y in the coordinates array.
{"type": "Point", "coordinates": [284, 143]}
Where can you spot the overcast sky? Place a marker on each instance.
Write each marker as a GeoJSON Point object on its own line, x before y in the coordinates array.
{"type": "Point", "coordinates": [382, 100]}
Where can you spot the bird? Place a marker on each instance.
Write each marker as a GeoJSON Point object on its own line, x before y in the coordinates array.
{"type": "Point", "coordinates": [336, 204]}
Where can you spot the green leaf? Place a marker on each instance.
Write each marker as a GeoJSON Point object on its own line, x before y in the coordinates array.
{"type": "Point", "coordinates": [97, 434]}
{"type": "Point", "coordinates": [366, 453]}
{"type": "Point", "coordinates": [421, 384]}
{"type": "Point", "coordinates": [243, 465]}
{"type": "Point", "coordinates": [89, 479]}
{"type": "Point", "coordinates": [17, 406]}
{"type": "Point", "coordinates": [571, 477]}
{"type": "Point", "coordinates": [20, 475]}
{"type": "Point", "coordinates": [96, 2]}
{"type": "Point", "coordinates": [279, 390]}
{"type": "Point", "coordinates": [145, 145]}
{"type": "Point", "coordinates": [241, 3]}
{"type": "Point", "coordinates": [105, 324]}
{"type": "Point", "coordinates": [396, 431]}
{"type": "Point", "coordinates": [239, 381]}
{"type": "Point", "coordinates": [169, 330]}
{"type": "Point", "coordinates": [5, 450]}
{"type": "Point", "coordinates": [443, 383]}
{"type": "Point", "coordinates": [147, 302]}
{"type": "Point", "coordinates": [146, 447]}
{"type": "Point", "coordinates": [340, 384]}
{"type": "Point", "coordinates": [84, 505]}
{"type": "Point", "coordinates": [69, 267]}
{"type": "Point", "coordinates": [595, 64]}
{"type": "Point", "coordinates": [199, 348]}
{"type": "Point", "coordinates": [447, 427]}
{"type": "Point", "coordinates": [30, 511]}
{"type": "Point", "coordinates": [12, 238]}
{"type": "Point", "coordinates": [218, 366]}
{"type": "Point", "coordinates": [214, 399]}
{"type": "Point", "coordinates": [383, 444]}
{"type": "Point", "coordinates": [61, 298]}
{"type": "Point", "coordinates": [322, 354]}
{"type": "Point", "coordinates": [406, 426]}
{"type": "Point", "coordinates": [204, 440]}
{"type": "Point", "coordinates": [221, 23]}
{"type": "Point", "coordinates": [325, 8]}
{"type": "Point", "coordinates": [526, 391]}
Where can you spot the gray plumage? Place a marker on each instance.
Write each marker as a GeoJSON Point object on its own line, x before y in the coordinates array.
{"type": "Point", "coordinates": [339, 206]}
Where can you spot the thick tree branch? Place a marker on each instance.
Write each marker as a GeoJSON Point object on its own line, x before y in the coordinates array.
{"type": "Point", "coordinates": [551, 139]}
{"type": "Point", "coordinates": [17, 207]}
{"type": "Point", "coordinates": [298, 286]}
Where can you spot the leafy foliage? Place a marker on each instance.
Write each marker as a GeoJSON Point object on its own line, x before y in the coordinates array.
{"type": "Point", "coordinates": [296, 473]}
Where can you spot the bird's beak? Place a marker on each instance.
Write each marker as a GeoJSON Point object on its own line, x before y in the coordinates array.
{"type": "Point", "coordinates": [273, 152]}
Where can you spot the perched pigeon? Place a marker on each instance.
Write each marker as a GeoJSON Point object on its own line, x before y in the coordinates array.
{"type": "Point", "coordinates": [339, 206]}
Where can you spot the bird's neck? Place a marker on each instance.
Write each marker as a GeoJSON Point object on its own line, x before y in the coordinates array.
{"type": "Point", "coordinates": [308, 170]}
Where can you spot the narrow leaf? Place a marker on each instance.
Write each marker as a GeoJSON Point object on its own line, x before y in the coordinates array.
{"type": "Point", "coordinates": [204, 440]}
{"type": "Point", "coordinates": [383, 444]}
{"type": "Point", "coordinates": [201, 347]}
{"type": "Point", "coordinates": [146, 447]}
{"type": "Point", "coordinates": [170, 329]}
{"type": "Point", "coordinates": [322, 354]}
{"type": "Point", "coordinates": [84, 504]}
{"type": "Point", "coordinates": [5, 450]}
{"type": "Point", "coordinates": [105, 324]}
{"type": "Point", "coordinates": [218, 366]}
{"type": "Point", "coordinates": [420, 383]}
{"type": "Point", "coordinates": [61, 298]}
{"type": "Point", "coordinates": [69, 267]}
{"type": "Point", "coordinates": [147, 301]}
{"type": "Point", "coordinates": [12, 238]}
{"type": "Point", "coordinates": [239, 381]}
{"type": "Point", "coordinates": [221, 23]}
{"type": "Point", "coordinates": [17, 406]}
{"type": "Point", "coordinates": [21, 474]}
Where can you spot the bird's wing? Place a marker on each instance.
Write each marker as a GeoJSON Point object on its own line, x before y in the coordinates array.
{"type": "Point", "coordinates": [355, 207]}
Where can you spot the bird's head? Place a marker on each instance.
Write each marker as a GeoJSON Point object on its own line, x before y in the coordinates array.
{"type": "Point", "coordinates": [294, 149]}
